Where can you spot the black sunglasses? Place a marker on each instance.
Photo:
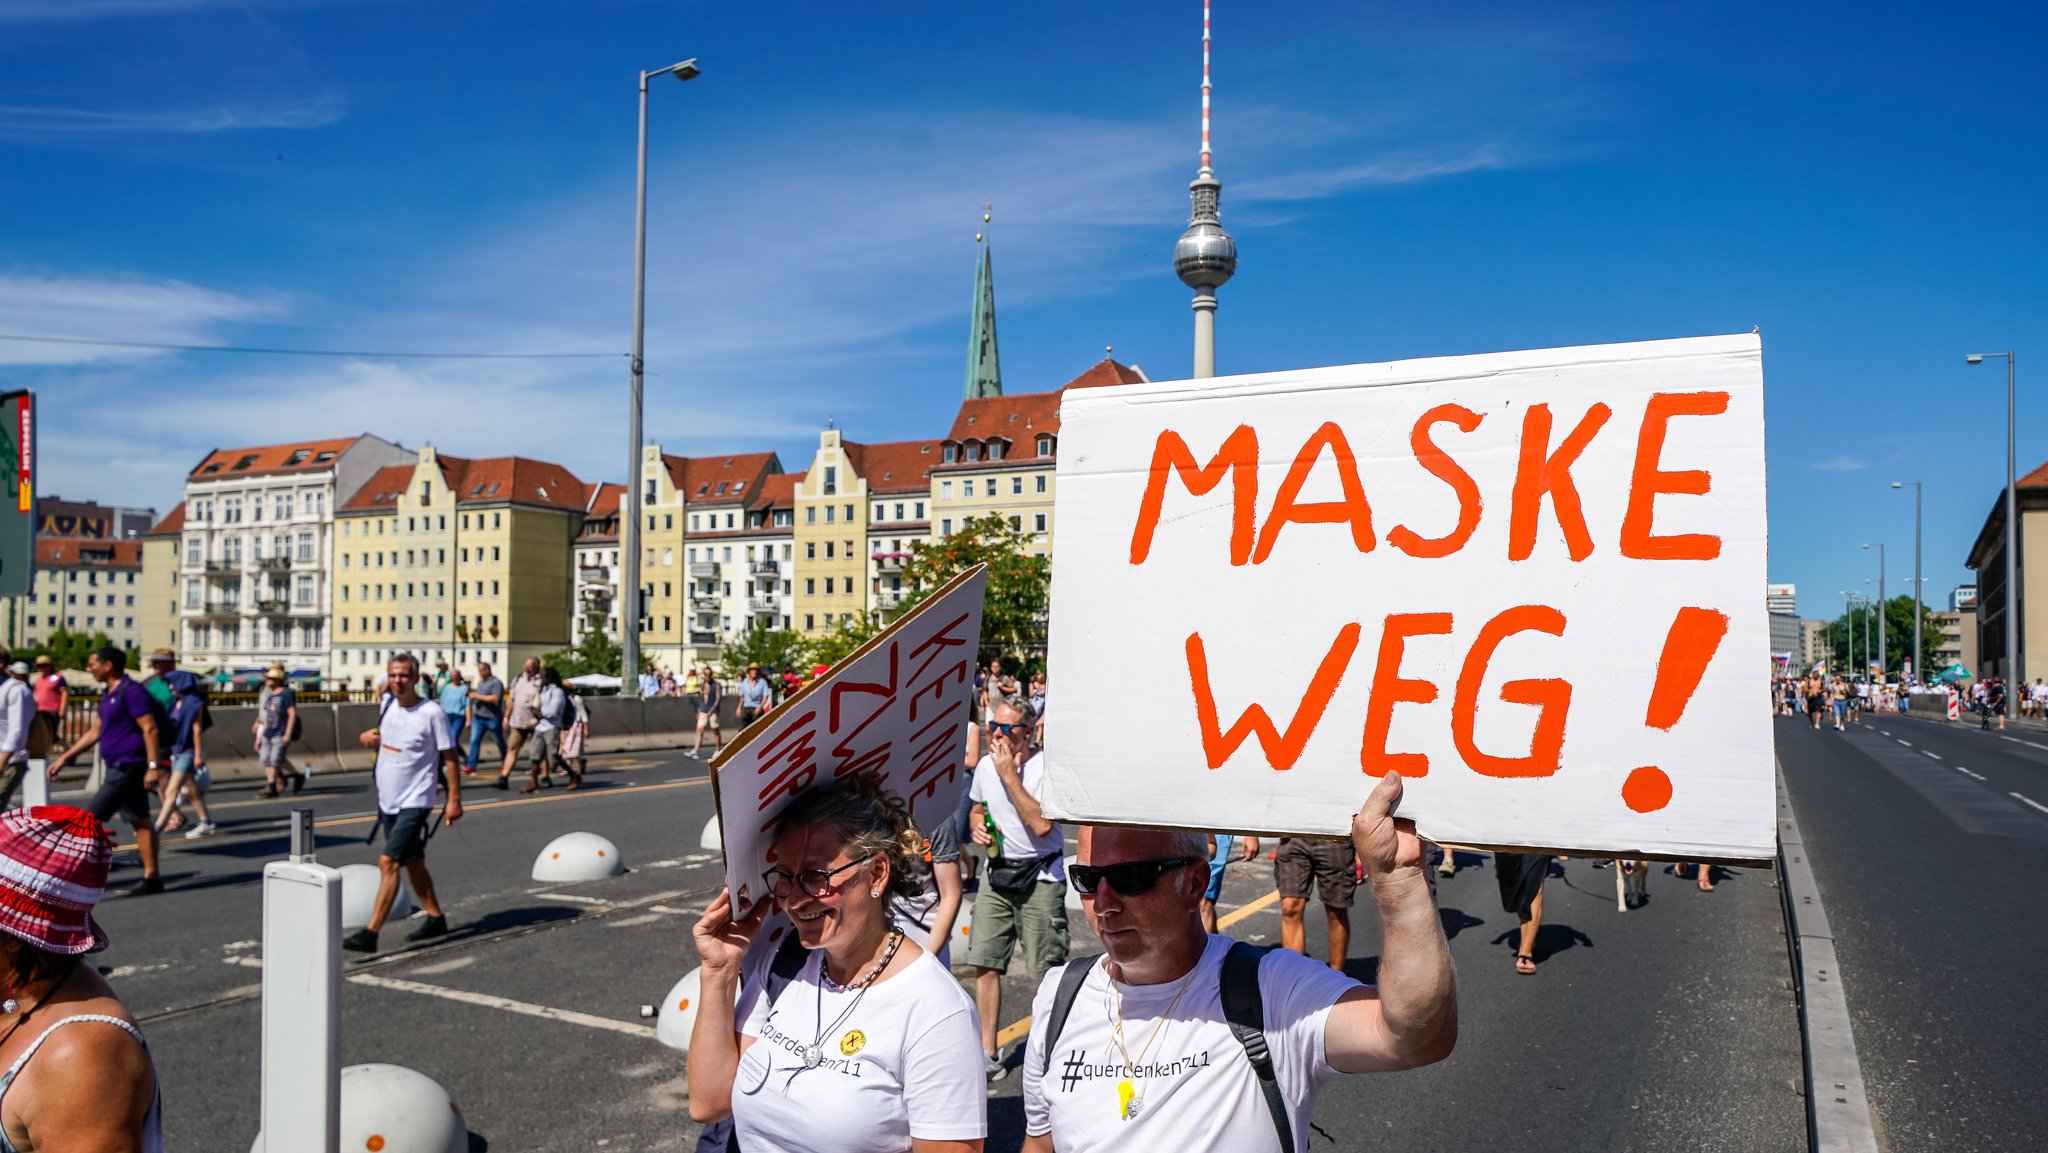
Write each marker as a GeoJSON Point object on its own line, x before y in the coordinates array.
{"type": "Point", "coordinates": [1129, 878]}
{"type": "Point", "coordinates": [814, 882]}
{"type": "Point", "coordinates": [1005, 728]}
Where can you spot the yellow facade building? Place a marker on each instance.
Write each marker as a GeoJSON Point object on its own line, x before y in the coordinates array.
{"type": "Point", "coordinates": [691, 586]}
{"type": "Point", "coordinates": [159, 594]}
{"type": "Point", "coordinates": [457, 560]}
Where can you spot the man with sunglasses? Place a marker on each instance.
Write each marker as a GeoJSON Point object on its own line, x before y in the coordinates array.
{"type": "Point", "coordinates": [1023, 893]}
{"type": "Point", "coordinates": [1137, 1050]}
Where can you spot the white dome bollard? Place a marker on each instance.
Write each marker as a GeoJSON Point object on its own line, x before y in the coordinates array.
{"type": "Point", "coordinates": [392, 1109]}
{"type": "Point", "coordinates": [712, 838]}
{"type": "Point", "coordinates": [359, 896]}
{"type": "Point", "coordinates": [678, 1013]}
{"type": "Point", "coordinates": [1073, 895]}
{"type": "Point", "coordinates": [578, 857]}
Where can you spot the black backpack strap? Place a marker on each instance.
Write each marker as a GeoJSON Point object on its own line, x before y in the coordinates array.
{"type": "Point", "coordinates": [789, 961]}
{"type": "Point", "coordinates": [1071, 977]}
{"type": "Point", "coordinates": [1245, 1010]}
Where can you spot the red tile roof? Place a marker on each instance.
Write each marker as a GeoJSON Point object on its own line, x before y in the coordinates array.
{"type": "Point", "coordinates": [498, 480]}
{"type": "Point", "coordinates": [779, 490]}
{"type": "Point", "coordinates": [1021, 417]}
{"type": "Point", "coordinates": [720, 479]}
{"type": "Point", "coordinates": [58, 553]}
{"type": "Point", "coordinates": [898, 466]}
{"type": "Point", "coordinates": [603, 503]}
{"type": "Point", "coordinates": [172, 524]}
{"type": "Point", "coordinates": [304, 456]}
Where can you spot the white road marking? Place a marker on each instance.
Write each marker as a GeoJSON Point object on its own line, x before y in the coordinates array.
{"type": "Point", "coordinates": [245, 961]}
{"type": "Point", "coordinates": [120, 971]}
{"type": "Point", "coordinates": [1908, 744]}
{"type": "Point", "coordinates": [668, 864]}
{"type": "Point", "coordinates": [447, 966]}
{"type": "Point", "coordinates": [2029, 744]}
{"type": "Point", "coordinates": [572, 898]}
{"type": "Point", "coordinates": [251, 943]}
{"type": "Point", "coordinates": [1968, 773]}
{"type": "Point", "coordinates": [675, 912]}
{"type": "Point", "coordinates": [700, 858]}
{"type": "Point", "coordinates": [1936, 756]}
{"type": "Point", "coordinates": [2029, 801]}
{"type": "Point", "coordinates": [629, 922]}
{"type": "Point", "coordinates": [488, 1001]}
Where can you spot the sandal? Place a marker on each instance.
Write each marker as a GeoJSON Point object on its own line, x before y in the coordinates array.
{"type": "Point", "coordinates": [1524, 964]}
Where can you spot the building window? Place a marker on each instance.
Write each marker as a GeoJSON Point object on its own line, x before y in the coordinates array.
{"type": "Point", "coordinates": [991, 486]}
{"type": "Point", "coordinates": [828, 550]}
{"type": "Point", "coordinates": [811, 514]}
{"type": "Point", "coordinates": [1016, 486]}
{"type": "Point", "coordinates": [995, 450]}
{"type": "Point", "coordinates": [919, 515]}
{"type": "Point", "coordinates": [946, 489]}
{"type": "Point", "coordinates": [946, 454]}
{"type": "Point", "coordinates": [831, 479]}
{"type": "Point", "coordinates": [946, 526]}
{"type": "Point", "coordinates": [810, 622]}
{"type": "Point", "coordinates": [831, 512]}
{"type": "Point", "coordinates": [810, 550]}
{"type": "Point", "coordinates": [302, 589]}
{"type": "Point", "coordinates": [1016, 524]}
{"type": "Point", "coordinates": [1038, 522]}
{"type": "Point", "coordinates": [668, 522]}
{"type": "Point", "coordinates": [1040, 478]}
{"type": "Point", "coordinates": [810, 587]}
{"type": "Point", "coordinates": [1044, 445]}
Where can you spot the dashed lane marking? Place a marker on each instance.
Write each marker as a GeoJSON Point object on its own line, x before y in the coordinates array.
{"type": "Point", "coordinates": [2029, 744]}
{"type": "Point", "coordinates": [2028, 801]}
{"type": "Point", "coordinates": [507, 1004]}
{"type": "Point", "coordinates": [1936, 756]}
{"type": "Point", "coordinates": [572, 898]}
{"type": "Point", "coordinates": [1019, 1028]}
{"type": "Point", "coordinates": [1908, 744]}
{"type": "Point", "coordinates": [1968, 773]}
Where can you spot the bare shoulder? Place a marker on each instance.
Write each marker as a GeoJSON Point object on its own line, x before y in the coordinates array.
{"type": "Point", "coordinates": [90, 1079]}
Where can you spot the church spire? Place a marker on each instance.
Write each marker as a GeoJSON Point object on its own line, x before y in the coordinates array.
{"type": "Point", "coordinates": [984, 368]}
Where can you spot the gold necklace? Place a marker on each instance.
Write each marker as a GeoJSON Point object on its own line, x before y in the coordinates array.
{"type": "Point", "coordinates": [1129, 1098]}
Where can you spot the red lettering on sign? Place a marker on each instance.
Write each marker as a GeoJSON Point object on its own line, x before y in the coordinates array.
{"type": "Point", "coordinates": [1353, 509]}
{"type": "Point", "coordinates": [1441, 466]}
{"type": "Point", "coordinates": [1541, 471]}
{"type": "Point", "coordinates": [1389, 688]}
{"type": "Point", "coordinates": [1238, 459]}
{"type": "Point", "coordinates": [1281, 751]}
{"type": "Point", "coordinates": [1647, 481]}
{"type": "Point", "coordinates": [1552, 695]}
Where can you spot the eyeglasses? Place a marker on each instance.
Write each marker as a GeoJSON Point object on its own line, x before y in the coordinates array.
{"type": "Point", "coordinates": [814, 882]}
{"type": "Point", "coordinates": [1129, 878]}
{"type": "Point", "coordinates": [1005, 728]}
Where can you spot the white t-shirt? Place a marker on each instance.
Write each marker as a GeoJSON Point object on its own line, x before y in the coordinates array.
{"type": "Point", "coordinates": [1018, 843]}
{"type": "Point", "coordinates": [409, 746]}
{"type": "Point", "coordinates": [906, 1062]}
{"type": "Point", "coordinates": [1196, 1088]}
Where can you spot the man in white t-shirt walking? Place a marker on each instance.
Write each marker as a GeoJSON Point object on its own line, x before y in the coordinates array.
{"type": "Point", "coordinates": [1023, 893]}
{"type": "Point", "coordinates": [1146, 1058]}
{"type": "Point", "coordinates": [412, 741]}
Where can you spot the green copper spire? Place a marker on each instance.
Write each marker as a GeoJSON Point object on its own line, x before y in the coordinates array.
{"type": "Point", "coordinates": [984, 368]}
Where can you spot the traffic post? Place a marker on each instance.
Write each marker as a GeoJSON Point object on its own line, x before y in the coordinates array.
{"type": "Point", "coordinates": [301, 1078]}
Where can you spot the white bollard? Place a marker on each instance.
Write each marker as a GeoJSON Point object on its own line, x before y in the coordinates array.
{"type": "Point", "coordinates": [35, 784]}
{"type": "Point", "coordinates": [712, 838]}
{"type": "Point", "coordinates": [963, 922]}
{"type": "Point", "coordinates": [359, 896]}
{"type": "Point", "coordinates": [393, 1109]}
{"type": "Point", "coordinates": [301, 1031]}
{"type": "Point", "coordinates": [578, 857]}
{"type": "Point", "coordinates": [678, 1012]}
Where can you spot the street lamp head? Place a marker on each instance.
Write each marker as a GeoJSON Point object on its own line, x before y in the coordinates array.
{"type": "Point", "coordinates": [1866, 548]}
{"type": "Point", "coordinates": [1974, 358]}
{"type": "Point", "coordinates": [1897, 484]}
{"type": "Point", "coordinates": [687, 70]}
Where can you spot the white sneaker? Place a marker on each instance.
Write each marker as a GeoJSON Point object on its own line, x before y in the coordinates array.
{"type": "Point", "coordinates": [202, 829]}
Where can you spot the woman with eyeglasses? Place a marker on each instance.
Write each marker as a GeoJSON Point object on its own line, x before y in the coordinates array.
{"type": "Point", "coordinates": [846, 1035]}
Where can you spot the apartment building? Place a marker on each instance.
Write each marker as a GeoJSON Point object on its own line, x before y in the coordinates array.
{"type": "Point", "coordinates": [899, 487]}
{"type": "Point", "coordinates": [999, 456]}
{"type": "Point", "coordinates": [830, 528]}
{"type": "Point", "coordinates": [81, 586]}
{"type": "Point", "coordinates": [693, 589]}
{"type": "Point", "coordinates": [598, 604]}
{"type": "Point", "coordinates": [160, 581]}
{"type": "Point", "coordinates": [257, 550]}
{"type": "Point", "coordinates": [454, 559]}
{"type": "Point", "coordinates": [770, 552]}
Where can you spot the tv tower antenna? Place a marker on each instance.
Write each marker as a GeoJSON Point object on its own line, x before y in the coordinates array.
{"type": "Point", "coordinates": [1205, 256]}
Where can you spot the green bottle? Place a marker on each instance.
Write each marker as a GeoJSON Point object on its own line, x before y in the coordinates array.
{"type": "Point", "coordinates": [995, 835]}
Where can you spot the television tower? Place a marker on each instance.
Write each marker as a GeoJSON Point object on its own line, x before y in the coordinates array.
{"type": "Point", "coordinates": [1205, 256]}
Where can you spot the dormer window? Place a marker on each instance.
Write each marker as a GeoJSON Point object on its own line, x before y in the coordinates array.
{"type": "Point", "coordinates": [323, 458]}
{"type": "Point", "coordinates": [946, 455]}
{"type": "Point", "coordinates": [245, 462]}
{"type": "Point", "coordinates": [973, 450]}
{"type": "Point", "coordinates": [995, 449]}
{"type": "Point", "coordinates": [720, 490]}
{"type": "Point", "coordinates": [703, 488]}
{"type": "Point", "coordinates": [1045, 446]}
{"type": "Point", "coordinates": [298, 457]}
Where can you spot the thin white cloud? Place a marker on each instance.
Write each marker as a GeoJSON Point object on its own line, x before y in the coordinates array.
{"type": "Point", "coordinates": [1840, 464]}
{"type": "Point", "coordinates": [29, 124]}
{"type": "Point", "coordinates": [1406, 167]}
{"type": "Point", "coordinates": [113, 308]}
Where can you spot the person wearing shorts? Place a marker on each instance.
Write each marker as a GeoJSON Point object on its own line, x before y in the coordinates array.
{"type": "Point", "coordinates": [707, 697]}
{"type": "Point", "coordinates": [129, 747]}
{"type": "Point", "coordinates": [755, 696]}
{"type": "Point", "coordinates": [520, 718]}
{"type": "Point", "coordinates": [412, 741]}
{"type": "Point", "coordinates": [1331, 866]}
{"type": "Point", "coordinates": [1220, 856]}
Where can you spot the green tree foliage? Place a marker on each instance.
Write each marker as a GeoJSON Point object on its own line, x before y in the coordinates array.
{"type": "Point", "coordinates": [831, 647]}
{"type": "Point", "coordinates": [1013, 615]}
{"type": "Point", "coordinates": [596, 653]}
{"type": "Point", "coordinates": [1898, 636]}
{"type": "Point", "coordinates": [67, 648]}
{"type": "Point", "coordinates": [772, 649]}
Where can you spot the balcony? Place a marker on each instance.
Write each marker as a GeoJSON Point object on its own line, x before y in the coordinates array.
{"type": "Point", "coordinates": [888, 563]}
{"type": "Point", "coordinates": [223, 567]}
{"type": "Point", "coordinates": [703, 639]}
{"type": "Point", "coordinates": [704, 604]}
{"type": "Point", "coordinates": [273, 563]}
{"type": "Point", "coordinates": [762, 605]}
{"type": "Point", "coordinates": [215, 610]}
{"type": "Point", "coordinates": [594, 574]}
{"type": "Point", "coordinates": [272, 606]}
{"type": "Point", "coordinates": [764, 568]}
{"type": "Point", "coordinates": [889, 599]}
{"type": "Point", "coordinates": [704, 568]}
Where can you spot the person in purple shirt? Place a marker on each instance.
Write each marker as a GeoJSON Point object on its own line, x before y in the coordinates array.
{"type": "Point", "coordinates": [128, 740]}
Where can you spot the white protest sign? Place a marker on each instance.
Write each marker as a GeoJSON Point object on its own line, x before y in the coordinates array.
{"type": "Point", "coordinates": [897, 708]}
{"type": "Point", "coordinates": [1530, 582]}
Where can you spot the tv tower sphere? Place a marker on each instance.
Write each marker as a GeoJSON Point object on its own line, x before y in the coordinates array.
{"type": "Point", "coordinates": [1205, 256]}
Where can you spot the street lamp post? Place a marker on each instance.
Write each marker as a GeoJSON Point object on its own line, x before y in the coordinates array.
{"type": "Point", "coordinates": [1919, 671]}
{"type": "Point", "coordinates": [2013, 672]}
{"type": "Point", "coordinates": [1882, 663]}
{"type": "Point", "coordinates": [629, 527]}
{"type": "Point", "coordinates": [1849, 624]}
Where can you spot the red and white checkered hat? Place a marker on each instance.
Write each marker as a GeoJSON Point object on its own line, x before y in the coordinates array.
{"type": "Point", "coordinates": [54, 861]}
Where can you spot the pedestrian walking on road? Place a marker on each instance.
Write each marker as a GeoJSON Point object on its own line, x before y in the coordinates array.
{"type": "Point", "coordinates": [453, 698]}
{"type": "Point", "coordinates": [17, 717]}
{"type": "Point", "coordinates": [847, 1034]}
{"type": "Point", "coordinates": [129, 744]}
{"type": "Point", "coordinates": [755, 696]}
{"type": "Point", "coordinates": [95, 1086]}
{"type": "Point", "coordinates": [575, 735]}
{"type": "Point", "coordinates": [1023, 896]}
{"type": "Point", "coordinates": [519, 717]}
{"type": "Point", "coordinates": [1521, 893]}
{"type": "Point", "coordinates": [52, 693]}
{"type": "Point", "coordinates": [1176, 1039]}
{"type": "Point", "coordinates": [1330, 867]}
{"type": "Point", "coordinates": [707, 696]}
{"type": "Point", "coordinates": [276, 725]}
{"type": "Point", "coordinates": [1223, 849]}
{"type": "Point", "coordinates": [486, 714]}
{"type": "Point", "coordinates": [412, 743]}
{"type": "Point", "coordinates": [188, 756]}
{"type": "Point", "coordinates": [550, 715]}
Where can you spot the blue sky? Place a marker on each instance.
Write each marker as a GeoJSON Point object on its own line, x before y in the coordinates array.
{"type": "Point", "coordinates": [1862, 182]}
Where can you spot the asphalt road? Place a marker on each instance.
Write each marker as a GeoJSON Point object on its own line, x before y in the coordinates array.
{"type": "Point", "coordinates": [1927, 841]}
{"type": "Point", "coordinates": [1669, 1027]}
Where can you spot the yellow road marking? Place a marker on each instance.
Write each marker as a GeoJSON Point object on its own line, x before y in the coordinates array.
{"type": "Point", "coordinates": [1019, 1028]}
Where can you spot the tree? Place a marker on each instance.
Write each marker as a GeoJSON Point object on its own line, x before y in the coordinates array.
{"type": "Point", "coordinates": [772, 649]}
{"type": "Point", "coordinates": [68, 648]}
{"type": "Point", "coordinates": [839, 642]}
{"type": "Point", "coordinates": [596, 653]}
{"type": "Point", "coordinates": [1898, 637]}
{"type": "Point", "coordinates": [1013, 613]}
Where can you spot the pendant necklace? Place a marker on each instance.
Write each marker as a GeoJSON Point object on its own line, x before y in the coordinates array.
{"type": "Point", "coordinates": [1130, 1099]}
{"type": "Point", "coordinates": [813, 1053]}
{"type": "Point", "coordinates": [13, 1004]}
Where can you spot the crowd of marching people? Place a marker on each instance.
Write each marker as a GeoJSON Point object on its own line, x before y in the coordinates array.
{"type": "Point", "coordinates": [1823, 699]}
